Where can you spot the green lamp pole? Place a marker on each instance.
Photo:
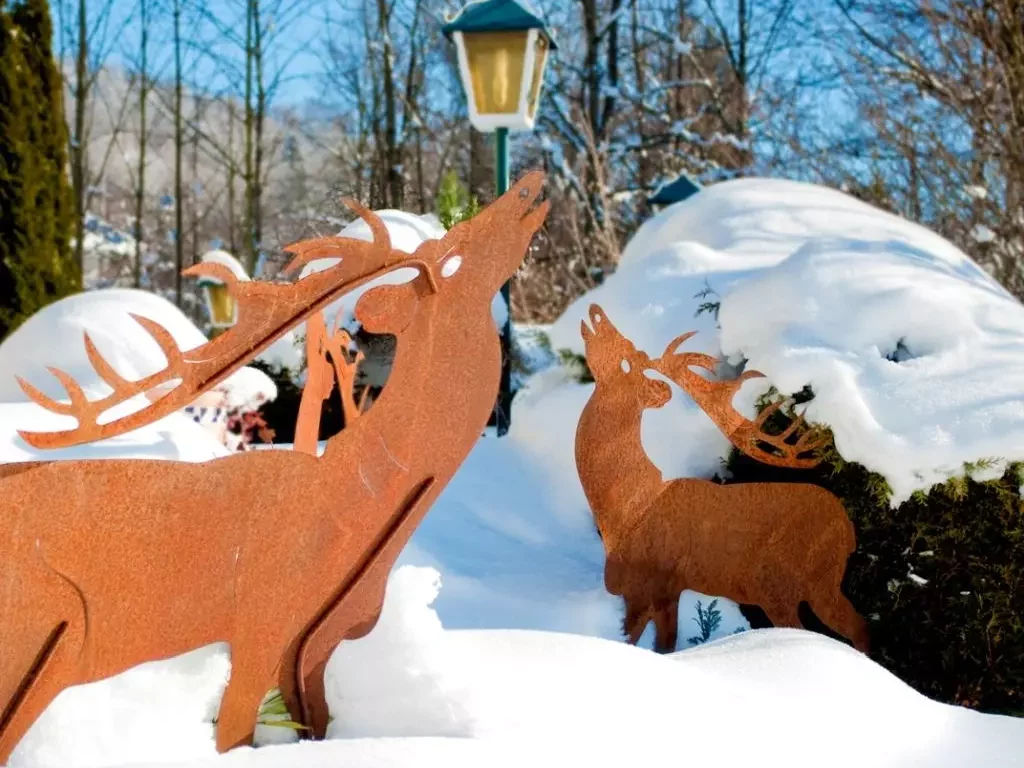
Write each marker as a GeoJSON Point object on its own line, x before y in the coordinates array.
{"type": "Point", "coordinates": [503, 48]}
{"type": "Point", "coordinates": [503, 409]}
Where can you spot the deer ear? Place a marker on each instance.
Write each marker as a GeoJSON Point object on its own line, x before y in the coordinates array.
{"type": "Point", "coordinates": [387, 308]}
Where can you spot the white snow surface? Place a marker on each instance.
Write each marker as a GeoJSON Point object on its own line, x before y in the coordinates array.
{"type": "Point", "coordinates": [817, 288]}
{"type": "Point", "coordinates": [412, 694]}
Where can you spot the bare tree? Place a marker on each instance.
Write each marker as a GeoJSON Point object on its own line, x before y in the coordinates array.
{"type": "Point", "coordinates": [140, 185]}
{"type": "Point", "coordinates": [934, 130]}
{"type": "Point", "coordinates": [85, 32]}
{"type": "Point", "coordinates": [179, 232]}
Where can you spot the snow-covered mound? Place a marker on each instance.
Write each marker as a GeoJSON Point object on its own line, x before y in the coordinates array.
{"type": "Point", "coordinates": [54, 336]}
{"type": "Point", "coordinates": [915, 354]}
{"type": "Point", "coordinates": [503, 697]}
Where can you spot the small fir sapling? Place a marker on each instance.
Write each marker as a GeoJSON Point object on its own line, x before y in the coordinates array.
{"type": "Point", "coordinates": [708, 620]}
{"type": "Point", "coordinates": [706, 304]}
{"type": "Point", "coordinates": [454, 203]}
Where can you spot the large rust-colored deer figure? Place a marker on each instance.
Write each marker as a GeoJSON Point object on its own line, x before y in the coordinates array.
{"type": "Point", "coordinates": [107, 564]}
{"type": "Point", "coordinates": [769, 544]}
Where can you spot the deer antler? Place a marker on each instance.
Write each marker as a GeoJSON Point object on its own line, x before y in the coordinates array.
{"type": "Point", "coordinates": [715, 399]}
{"type": "Point", "coordinates": [266, 311]}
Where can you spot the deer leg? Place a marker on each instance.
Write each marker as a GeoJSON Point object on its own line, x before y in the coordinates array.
{"type": "Point", "coordinates": [252, 675]}
{"type": "Point", "coordinates": [354, 613]}
{"type": "Point", "coordinates": [288, 681]}
{"type": "Point", "coordinates": [313, 699]}
{"type": "Point", "coordinates": [840, 615]}
{"type": "Point", "coordinates": [54, 669]}
{"type": "Point", "coordinates": [666, 619]}
{"type": "Point", "coordinates": [638, 615]}
{"type": "Point", "coordinates": [784, 615]}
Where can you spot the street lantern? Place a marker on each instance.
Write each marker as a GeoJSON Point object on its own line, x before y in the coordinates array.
{"type": "Point", "coordinates": [219, 303]}
{"type": "Point", "coordinates": [502, 47]}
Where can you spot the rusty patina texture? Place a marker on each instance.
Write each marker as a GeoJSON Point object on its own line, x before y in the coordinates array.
{"type": "Point", "coordinates": [769, 544]}
{"type": "Point", "coordinates": [108, 564]}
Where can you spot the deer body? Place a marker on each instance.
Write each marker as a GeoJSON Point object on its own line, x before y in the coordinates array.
{"type": "Point", "coordinates": [281, 554]}
{"type": "Point", "coordinates": [774, 545]}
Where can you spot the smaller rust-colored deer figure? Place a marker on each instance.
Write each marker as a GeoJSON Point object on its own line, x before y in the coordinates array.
{"type": "Point", "coordinates": [775, 545]}
{"type": "Point", "coordinates": [322, 376]}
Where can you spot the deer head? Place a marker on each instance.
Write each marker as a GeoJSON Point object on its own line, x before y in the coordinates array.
{"type": "Point", "coordinates": [468, 265]}
{"type": "Point", "coordinates": [616, 363]}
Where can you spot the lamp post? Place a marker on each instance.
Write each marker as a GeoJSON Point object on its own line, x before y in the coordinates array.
{"type": "Point", "coordinates": [502, 48]}
{"type": "Point", "coordinates": [221, 304]}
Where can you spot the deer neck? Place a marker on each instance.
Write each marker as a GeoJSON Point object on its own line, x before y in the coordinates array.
{"type": "Point", "coordinates": [422, 423]}
{"type": "Point", "coordinates": [618, 478]}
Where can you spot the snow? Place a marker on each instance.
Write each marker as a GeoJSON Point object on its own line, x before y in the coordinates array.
{"type": "Point", "coordinates": [174, 438]}
{"type": "Point", "coordinates": [54, 336]}
{"type": "Point", "coordinates": [505, 697]}
{"type": "Point", "coordinates": [286, 353]}
{"type": "Point", "coordinates": [982, 234]}
{"type": "Point", "coordinates": [405, 680]}
{"type": "Point", "coordinates": [248, 388]}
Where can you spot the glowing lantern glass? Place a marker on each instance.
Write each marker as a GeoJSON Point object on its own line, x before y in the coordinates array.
{"type": "Point", "coordinates": [503, 49]}
{"type": "Point", "coordinates": [220, 303]}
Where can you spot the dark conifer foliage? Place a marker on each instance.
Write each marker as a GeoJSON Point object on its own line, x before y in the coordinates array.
{"type": "Point", "coordinates": [36, 264]}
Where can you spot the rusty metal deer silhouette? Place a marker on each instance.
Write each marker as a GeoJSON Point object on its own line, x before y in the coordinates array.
{"type": "Point", "coordinates": [769, 544]}
{"type": "Point", "coordinates": [108, 564]}
{"type": "Point", "coordinates": [322, 376]}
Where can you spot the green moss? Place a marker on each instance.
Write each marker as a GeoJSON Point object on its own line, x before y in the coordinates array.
{"type": "Point", "coordinates": [955, 631]}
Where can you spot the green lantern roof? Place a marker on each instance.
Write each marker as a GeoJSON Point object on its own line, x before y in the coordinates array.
{"type": "Point", "coordinates": [496, 16]}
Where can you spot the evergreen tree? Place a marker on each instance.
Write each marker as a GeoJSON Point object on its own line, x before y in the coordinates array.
{"type": "Point", "coordinates": [36, 262]}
